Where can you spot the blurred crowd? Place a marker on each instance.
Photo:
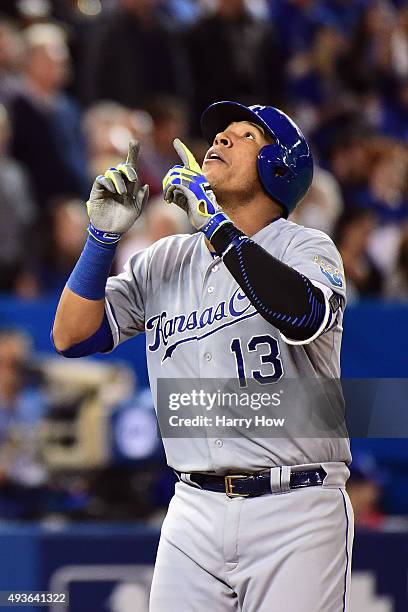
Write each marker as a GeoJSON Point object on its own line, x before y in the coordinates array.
{"type": "Point", "coordinates": [78, 78]}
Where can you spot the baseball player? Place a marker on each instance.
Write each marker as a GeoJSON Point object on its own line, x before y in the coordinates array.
{"type": "Point", "coordinates": [256, 524]}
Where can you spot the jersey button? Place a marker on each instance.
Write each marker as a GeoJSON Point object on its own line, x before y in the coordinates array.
{"type": "Point", "coordinates": [210, 289]}
{"type": "Point", "coordinates": [215, 268]}
{"type": "Point", "coordinates": [208, 356]}
{"type": "Point", "coordinates": [219, 443]}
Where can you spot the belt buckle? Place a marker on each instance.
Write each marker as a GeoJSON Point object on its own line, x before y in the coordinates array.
{"type": "Point", "coordinates": [229, 485]}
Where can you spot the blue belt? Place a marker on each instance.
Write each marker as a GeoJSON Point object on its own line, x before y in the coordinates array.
{"type": "Point", "coordinates": [253, 485]}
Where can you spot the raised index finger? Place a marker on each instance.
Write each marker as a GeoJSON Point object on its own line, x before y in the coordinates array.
{"type": "Point", "coordinates": [133, 153]}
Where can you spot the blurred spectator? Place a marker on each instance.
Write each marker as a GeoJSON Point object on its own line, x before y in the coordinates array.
{"type": "Point", "coordinates": [345, 13]}
{"type": "Point", "coordinates": [23, 404]}
{"type": "Point", "coordinates": [295, 22]}
{"type": "Point", "coordinates": [108, 127]}
{"type": "Point", "coordinates": [394, 113]}
{"type": "Point", "coordinates": [158, 154]}
{"type": "Point", "coordinates": [383, 247]}
{"type": "Point", "coordinates": [397, 283]}
{"type": "Point", "coordinates": [348, 146]}
{"type": "Point", "coordinates": [22, 400]}
{"type": "Point", "coordinates": [131, 55]}
{"type": "Point", "coordinates": [31, 11]}
{"type": "Point", "coordinates": [370, 58]}
{"type": "Point", "coordinates": [47, 136]}
{"type": "Point", "coordinates": [68, 219]}
{"type": "Point", "coordinates": [322, 205]}
{"type": "Point", "coordinates": [351, 237]}
{"type": "Point", "coordinates": [11, 49]}
{"type": "Point", "coordinates": [313, 75]}
{"type": "Point", "coordinates": [183, 11]}
{"type": "Point", "coordinates": [399, 43]}
{"type": "Point", "coordinates": [365, 488]}
{"type": "Point", "coordinates": [17, 214]}
{"type": "Point", "coordinates": [386, 193]}
{"type": "Point", "coordinates": [386, 196]}
{"type": "Point", "coordinates": [233, 56]}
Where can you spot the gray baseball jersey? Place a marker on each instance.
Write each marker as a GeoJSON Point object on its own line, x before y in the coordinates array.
{"type": "Point", "coordinates": [199, 324]}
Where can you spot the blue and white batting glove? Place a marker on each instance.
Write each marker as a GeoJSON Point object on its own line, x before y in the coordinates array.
{"type": "Point", "coordinates": [186, 186]}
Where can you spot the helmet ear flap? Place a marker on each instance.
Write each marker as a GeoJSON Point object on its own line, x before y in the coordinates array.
{"type": "Point", "coordinates": [273, 171]}
{"type": "Point", "coordinates": [274, 156]}
{"type": "Point", "coordinates": [281, 181]}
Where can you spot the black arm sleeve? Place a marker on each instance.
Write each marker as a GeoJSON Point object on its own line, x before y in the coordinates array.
{"type": "Point", "coordinates": [284, 297]}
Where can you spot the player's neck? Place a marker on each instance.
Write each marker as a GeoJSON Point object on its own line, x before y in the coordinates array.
{"type": "Point", "coordinates": [252, 218]}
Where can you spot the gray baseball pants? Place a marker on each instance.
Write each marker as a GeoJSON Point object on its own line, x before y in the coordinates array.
{"type": "Point", "coordinates": [285, 552]}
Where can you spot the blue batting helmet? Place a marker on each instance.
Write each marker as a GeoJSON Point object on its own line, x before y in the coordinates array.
{"type": "Point", "coordinates": [285, 167]}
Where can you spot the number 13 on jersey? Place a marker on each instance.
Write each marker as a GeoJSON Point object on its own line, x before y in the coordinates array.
{"type": "Point", "coordinates": [272, 372]}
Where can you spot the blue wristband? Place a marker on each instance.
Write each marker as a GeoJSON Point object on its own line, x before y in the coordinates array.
{"type": "Point", "coordinates": [102, 236]}
{"type": "Point", "coordinates": [214, 224]}
{"type": "Point", "coordinates": [88, 278]}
